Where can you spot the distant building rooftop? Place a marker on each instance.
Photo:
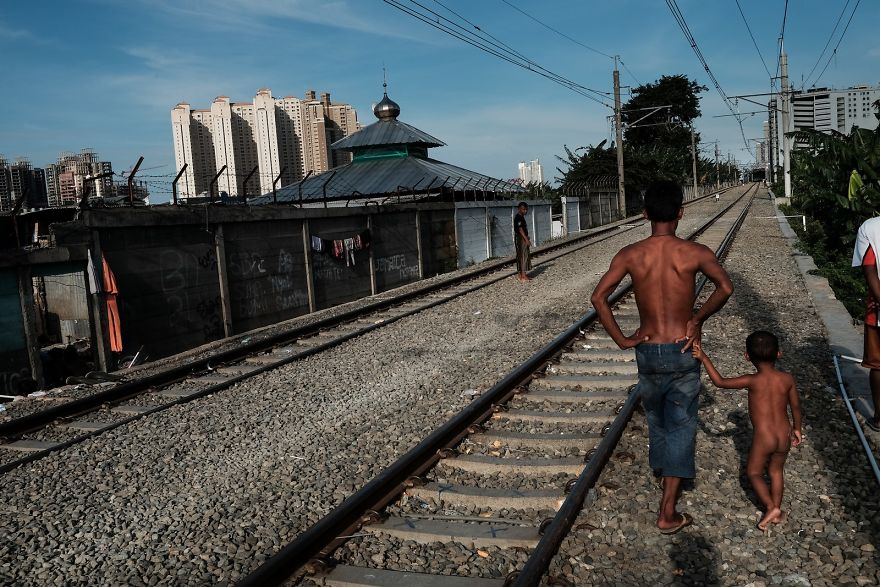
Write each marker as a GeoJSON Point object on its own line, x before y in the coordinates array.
{"type": "Point", "coordinates": [390, 158]}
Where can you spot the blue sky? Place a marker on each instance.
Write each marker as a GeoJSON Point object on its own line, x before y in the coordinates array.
{"type": "Point", "coordinates": [105, 74]}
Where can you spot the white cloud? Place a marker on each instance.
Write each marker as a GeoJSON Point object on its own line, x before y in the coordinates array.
{"type": "Point", "coordinates": [8, 33]}
{"type": "Point", "coordinates": [256, 16]}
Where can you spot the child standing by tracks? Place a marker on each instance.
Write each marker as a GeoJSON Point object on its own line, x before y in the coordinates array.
{"type": "Point", "coordinates": [771, 394]}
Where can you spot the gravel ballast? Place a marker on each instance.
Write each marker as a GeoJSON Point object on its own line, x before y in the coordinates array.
{"type": "Point", "coordinates": [204, 492]}
{"type": "Point", "coordinates": [833, 525]}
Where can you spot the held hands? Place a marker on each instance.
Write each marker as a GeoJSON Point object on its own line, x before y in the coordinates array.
{"type": "Point", "coordinates": [796, 438]}
{"type": "Point", "coordinates": [697, 351]}
{"type": "Point", "coordinates": [693, 334]}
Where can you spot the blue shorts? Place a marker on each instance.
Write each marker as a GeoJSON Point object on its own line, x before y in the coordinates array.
{"type": "Point", "coordinates": [669, 386]}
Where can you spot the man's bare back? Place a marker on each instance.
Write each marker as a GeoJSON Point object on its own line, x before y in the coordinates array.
{"type": "Point", "coordinates": [663, 269]}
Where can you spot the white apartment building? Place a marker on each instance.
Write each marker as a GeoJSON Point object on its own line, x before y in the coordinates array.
{"type": "Point", "coordinates": [531, 172]}
{"type": "Point", "coordinates": [825, 110]}
{"type": "Point", "coordinates": [260, 141]}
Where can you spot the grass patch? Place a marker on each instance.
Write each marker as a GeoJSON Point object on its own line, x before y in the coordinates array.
{"type": "Point", "coordinates": [833, 263]}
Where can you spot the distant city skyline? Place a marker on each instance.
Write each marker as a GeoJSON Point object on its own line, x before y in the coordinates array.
{"type": "Point", "coordinates": [153, 55]}
{"type": "Point", "coordinates": [260, 142]}
{"type": "Point", "coordinates": [531, 171]}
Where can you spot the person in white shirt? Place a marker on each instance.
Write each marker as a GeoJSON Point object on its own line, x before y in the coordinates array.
{"type": "Point", "coordinates": [865, 256]}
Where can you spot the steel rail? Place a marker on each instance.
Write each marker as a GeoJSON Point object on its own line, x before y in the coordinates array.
{"type": "Point", "coordinates": [539, 561]}
{"type": "Point", "coordinates": [869, 454]}
{"type": "Point", "coordinates": [17, 427]}
{"type": "Point", "coordinates": [391, 480]}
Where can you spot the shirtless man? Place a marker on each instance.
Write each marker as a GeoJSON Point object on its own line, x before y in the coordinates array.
{"type": "Point", "coordinates": [663, 268]}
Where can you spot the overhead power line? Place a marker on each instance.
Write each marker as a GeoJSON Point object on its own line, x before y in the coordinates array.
{"type": "Point", "coordinates": [630, 73]}
{"type": "Point", "coordinates": [558, 32]}
{"type": "Point", "coordinates": [573, 40]}
{"type": "Point", "coordinates": [489, 44]}
{"type": "Point", "coordinates": [682, 23]}
{"type": "Point", "coordinates": [755, 43]}
{"type": "Point", "coordinates": [781, 38]}
{"type": "Point", "coordinates": [842, 34]}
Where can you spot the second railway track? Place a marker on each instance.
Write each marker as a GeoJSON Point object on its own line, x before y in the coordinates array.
{"type": "Point", "coordinates": [500, 484]}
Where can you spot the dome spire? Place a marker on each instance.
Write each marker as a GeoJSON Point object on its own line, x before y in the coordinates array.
{"type": "Point", "coordinates": [386, 109]}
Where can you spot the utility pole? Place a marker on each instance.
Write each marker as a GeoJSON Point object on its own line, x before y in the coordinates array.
{"type": "Point", "coordinates": [783, 135]}
{"type": "Point", "coordinates": [717, 168]}
{"type": "Point", "coordinates": [694, 157]}
{"type": "Point", "coordinates": [618, 125]}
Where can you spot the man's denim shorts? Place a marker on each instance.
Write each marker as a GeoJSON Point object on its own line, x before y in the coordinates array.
{"type": "Point", "coordinates": [669, 385]}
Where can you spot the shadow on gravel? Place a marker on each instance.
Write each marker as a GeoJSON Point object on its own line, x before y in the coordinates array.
{"type": "Point", "coordinates": [694, 559]}
{"type": "Point", "coordinates": [742, 440]}
{"type": "Point", "coordinates": [841, 462]}
{"type": "Point", "coordinates": [539, 270]}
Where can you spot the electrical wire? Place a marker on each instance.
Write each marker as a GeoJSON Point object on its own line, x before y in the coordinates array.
{"type": "Point", "coordinates": [754, 42]}
{"type": "Point", "coordinates": [781, 38]}
{"type": "Point", "coordinates": [486, 46]}
{"type": "Point", "coordinates": [498, 43]}
{"type": "Point", "coordinates": [842, 34]}
{"type": "Point", "coordinates": [682, 23]}
{"type": "Point", "coordinates": [828, 42]}
{"type": "Point", "coordinates": [630, 73]}
{"type": "Point", "coordinates": [558, 32]}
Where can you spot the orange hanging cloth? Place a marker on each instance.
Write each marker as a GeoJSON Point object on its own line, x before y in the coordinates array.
{"type": "Point", "coordinates": [110, 291]}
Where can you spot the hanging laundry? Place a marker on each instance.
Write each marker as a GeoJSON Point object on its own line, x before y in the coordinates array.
{"type": "Point", "coordinates": [113, 326]}
{"type": "Point", "coordinates": [94, 286]}
{"type": "Point", "coordinates": [365, 239]}
{"type": "Point", "coordinates": [349, 251]}
{"type": "Point", "coordinates": [338, 249]}
{"type": "Point", "coordinates": [317, 244]}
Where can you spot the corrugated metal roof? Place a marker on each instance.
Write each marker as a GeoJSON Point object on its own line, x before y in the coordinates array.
{"type": "Point", "coordinates": [387, 132]}
{"type": "Point", "coordinates": [380, 177]}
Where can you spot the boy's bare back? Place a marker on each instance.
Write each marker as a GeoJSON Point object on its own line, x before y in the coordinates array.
{"type": "Point", "coordinates": [770, 394]}
{"type": "Point", "coordinates": [663, 269]}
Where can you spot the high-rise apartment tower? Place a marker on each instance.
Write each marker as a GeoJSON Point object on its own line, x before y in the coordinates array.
{"type": "Point", "coordinates": [282, 138]}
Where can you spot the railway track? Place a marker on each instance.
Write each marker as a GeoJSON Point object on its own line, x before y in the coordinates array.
{"type": "Point", "coordinates": [37, 435]}
{"type": "Point", "coordinates": [504, 479]}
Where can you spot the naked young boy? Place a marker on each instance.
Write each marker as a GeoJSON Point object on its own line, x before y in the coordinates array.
{"type": "Point", "coordinates": [771, 394]}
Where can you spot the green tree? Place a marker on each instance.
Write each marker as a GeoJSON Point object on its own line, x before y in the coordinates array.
{"type": "Point", "coordinates": [836, 184]}
{"type": "Point", "coordinates": [669, 126]}
{"type": "Point", "coordinates": [656, 147]}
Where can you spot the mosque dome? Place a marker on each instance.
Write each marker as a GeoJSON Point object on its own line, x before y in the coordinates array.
{"type": "Point", "coordinates": [386, 109]}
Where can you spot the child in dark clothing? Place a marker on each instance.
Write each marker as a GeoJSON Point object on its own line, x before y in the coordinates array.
{"type": "Point", "coordinates": [771, 394]}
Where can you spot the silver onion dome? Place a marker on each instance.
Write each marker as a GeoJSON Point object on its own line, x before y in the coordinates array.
{"type": "Point", "coordinates": [386, 109]}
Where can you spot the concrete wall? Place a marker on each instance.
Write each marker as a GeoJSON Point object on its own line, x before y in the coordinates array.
{"type": "Point", "coordinates": [169, 292]}
{"type": "Point", "coordinates": [439, 249]}
{"type": "Point", "coordinates": [335, 281]}
{"type": "Point", "coordinates": [542, 224]}
{"type": "Point", "coordinates": [395, 249]}
{"type": "Point", "coordinates": [14, 362]}
{"type": "Point", "coordinates": [583, 212]}
{"type": "Point", "coordinates": [266, 272]}
{"type": "Point", "coordinates": [189, 276]}
{"type": "Point", "coordinates": [485, 229]}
